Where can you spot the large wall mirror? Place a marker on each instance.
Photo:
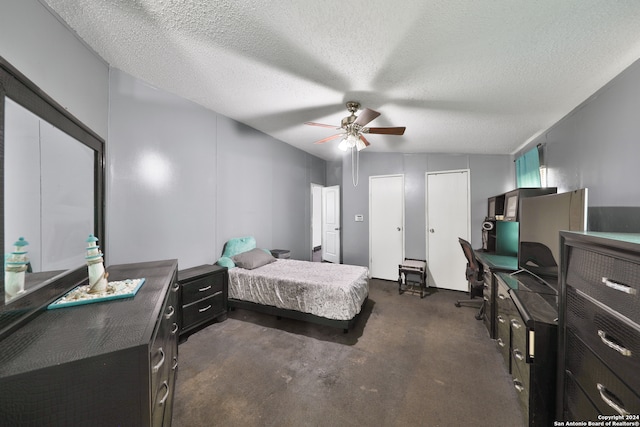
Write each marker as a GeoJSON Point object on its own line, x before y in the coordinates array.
{"type": "Point", "coordinates": [52, 196]}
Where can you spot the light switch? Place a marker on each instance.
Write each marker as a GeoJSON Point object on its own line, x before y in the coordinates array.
{"type": "Point", "coordinates": [359, 218]}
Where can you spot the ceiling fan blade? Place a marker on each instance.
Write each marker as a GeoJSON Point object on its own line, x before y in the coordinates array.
{"type": "Point", "coordinates": [322, 125]}
{"type": "Point", "coordinates": [366, 143]}
{"type": "Point", "coordinates": [388, 131]}
{"type": "Point", "coordinates": [329, 138]}
{"type": "Point", "coordinates": [366, 116]}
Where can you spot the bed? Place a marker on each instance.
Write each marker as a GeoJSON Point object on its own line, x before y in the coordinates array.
{"type": "Point", "coordinates": [321, 293]}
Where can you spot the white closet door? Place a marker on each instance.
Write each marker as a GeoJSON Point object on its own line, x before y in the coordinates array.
{"type": "Point", "coordinates": [386, 225]}
{"type": "Point", "coordinates": [448, 218]}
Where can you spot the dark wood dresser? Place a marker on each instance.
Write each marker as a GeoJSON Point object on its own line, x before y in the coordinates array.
{"type": "Point", "coordinates": [110, 363]}
{"type": "Point", "coordinates": [527, 339]}
{"type": "Point", "coordinates": [599, 327]}
{"type": "Point", "coordinates": [204, 297]}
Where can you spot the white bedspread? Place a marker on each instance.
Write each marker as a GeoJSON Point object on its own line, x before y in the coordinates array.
{"type": "Point", "coordinates": [334, 291]}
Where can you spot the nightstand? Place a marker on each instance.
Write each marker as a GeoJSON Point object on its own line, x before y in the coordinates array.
{"type": "Point", "coordinates": [203, 292]}
{"type": "Point", "coordinates": [281, 253]}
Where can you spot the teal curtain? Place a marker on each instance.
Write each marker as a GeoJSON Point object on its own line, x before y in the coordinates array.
{"type": "Point", "coordinates": [528, 169]}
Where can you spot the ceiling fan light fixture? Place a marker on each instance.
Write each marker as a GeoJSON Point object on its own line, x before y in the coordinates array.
{"type": "Point", "coordinates": [360, 145]}
{"type": "Point", "coordinates": [349, 141]}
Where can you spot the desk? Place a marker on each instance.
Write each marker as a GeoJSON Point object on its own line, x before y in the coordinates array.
{"type": "Point", "coordinates": [492, 263]}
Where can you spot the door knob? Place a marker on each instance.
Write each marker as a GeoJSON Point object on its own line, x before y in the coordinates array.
{"type": "Point", "coordinates": [398, 228]}
{"type": "Point", "coordinates": [431, 230]}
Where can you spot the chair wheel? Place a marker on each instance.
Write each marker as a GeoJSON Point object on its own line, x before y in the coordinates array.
{"type": "Point", "coordinates": [457, 304]}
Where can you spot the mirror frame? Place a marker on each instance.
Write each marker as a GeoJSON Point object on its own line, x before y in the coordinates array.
{"type": "Point", "coordinates": [20, 89]}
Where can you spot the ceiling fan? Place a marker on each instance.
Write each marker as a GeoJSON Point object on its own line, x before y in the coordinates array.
{"type": "Point", "coordinates": [353, 127]}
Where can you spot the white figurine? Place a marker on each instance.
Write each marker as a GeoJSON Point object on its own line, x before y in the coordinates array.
{"type": "Point", "coordinates": [97, 275]}
{"type": "Point", "coordinates": [15, 267]}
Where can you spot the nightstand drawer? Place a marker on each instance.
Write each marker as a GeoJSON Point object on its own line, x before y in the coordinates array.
{"type": "Point", "coordinates": [201, 288]}
{"type": "Point", "coordinates": [203, 310]}
{"type": "Point", "coordinates": [612, 281]}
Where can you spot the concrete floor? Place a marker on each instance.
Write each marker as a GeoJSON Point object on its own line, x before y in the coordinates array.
{"type": "Point", "coordinates": [408, 362]}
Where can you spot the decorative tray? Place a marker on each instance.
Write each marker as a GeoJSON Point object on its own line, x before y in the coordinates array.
{"type": "Point", "coordinates": [115, 290]}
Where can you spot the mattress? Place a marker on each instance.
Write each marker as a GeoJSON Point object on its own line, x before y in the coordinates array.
{"type": "Point", "coordinates": [333, 291]}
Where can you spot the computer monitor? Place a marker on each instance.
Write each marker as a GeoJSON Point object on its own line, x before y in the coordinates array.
{"type": "Point", "coordinates": [541, 220]}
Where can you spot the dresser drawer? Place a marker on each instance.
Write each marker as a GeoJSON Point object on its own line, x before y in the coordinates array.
{"type": "Point", "coordinates": [614, 339]}
{"type": "Point", "coordinates": [609, 394]}
{"type": "Point", "coordinates": [521, 384]}
{"type": "Point", "coordinates": [203, 310]}
{"type": "Point", "coordinates": [163, 347]}
{"type": "Point", "coordinates": [615, 282]}
{"type": "Point", "coordinates": [201, 288]}
{"type": "Point", "coordinates": [489, 307]}
{"type": "Point", "coordinates": [578, 406]}
{"type": "Point", "coordinates": [505, 309]}
{"type": "Point", "coordinates": [519, 364]}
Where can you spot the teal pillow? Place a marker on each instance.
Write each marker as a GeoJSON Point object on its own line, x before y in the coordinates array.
{"type": "Point", "coordinates": [226, 262]}
{"type": "Point", "coordinates": [238, 245]}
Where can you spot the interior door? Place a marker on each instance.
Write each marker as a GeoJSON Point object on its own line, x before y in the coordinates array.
{"type": "Point", "coordinates": [386, 225]}
{"type": "Point", "coordinates": [448, 218]}
{"type": "Point", "coordinates": [331, 224]}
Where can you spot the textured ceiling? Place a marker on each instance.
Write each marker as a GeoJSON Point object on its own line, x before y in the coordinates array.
{"type": "Point", "coordinates": [463, 76]}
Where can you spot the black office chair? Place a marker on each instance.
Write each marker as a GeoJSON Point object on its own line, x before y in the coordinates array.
{"type": "Point", "coordinates": [475, 278]}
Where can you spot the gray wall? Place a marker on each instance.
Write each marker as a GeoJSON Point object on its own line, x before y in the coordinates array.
{"type": "Point", "coordinates": [183, 180]}
{"type": "Point", "coordinates": [489, 175]}
{"type": "Point", "coordinates": [45, 51]}
{"type": "Point", "coordinates": [264, 189]}
{"type": "Point", "coordinates": [597, 146]}
{"type": "Point", "coordinates": [161, 180]}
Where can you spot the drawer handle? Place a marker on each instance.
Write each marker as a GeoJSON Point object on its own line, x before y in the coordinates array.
{"type": "Point", "coordinates": [486, 299]}
{"type": "Point", "coordinates": [502, 296]}
{"type": "Point", "coordinates": [170, 312]}
{"type": "Point", "coordinates": [174, 329]}
{"type": "Point", "coordinates": [516, 324]}
{"type": "Point", "coordinates": [500, 342]}
{"type": "Point", "coordinates": [206, 288]}
{"type": "Point", "coordinates": [609, 401]}
{"type": "Point", "coordinates": [518, 354]}
{"type": "Point", "coordinates": [518, 385]}
{"type": "Point", "coordinates": [500, 319]}
{"type": "Point", "coordinates": [175, 364]}
{"type": "Point", "coordinates": [157, 367]}
{"type": "Point", "coordinates": [166, 395]}
{"type": "Point", "coordinates": [617, 347]}
{"type": "Point", "coordinates": [486, 286]}
{"type": "Point", "coordinates": [176, 288]}
{"type": "Point", "coordinates": [202, 310]}
{"type": "Point", "coordinates": [619, 286]}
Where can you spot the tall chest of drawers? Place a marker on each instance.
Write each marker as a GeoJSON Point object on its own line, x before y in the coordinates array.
{"type": "Point", "coordinates": [599, 327]}
{"type": "Point", "coordinates": [106, 363]}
